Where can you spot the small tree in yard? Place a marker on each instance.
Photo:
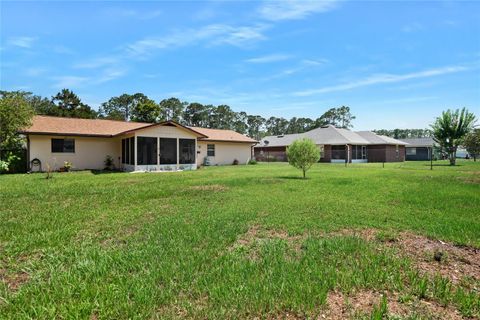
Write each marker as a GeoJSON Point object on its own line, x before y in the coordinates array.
{"type": "Point", "coordinates": [472, 143]}
{"type": "Point", "coordinates": [302, 154]}
{"type": "Point", "coordinates": [450, 129]}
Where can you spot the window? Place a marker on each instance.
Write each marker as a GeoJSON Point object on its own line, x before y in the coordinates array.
{"type": "Point", "coordinates": [397, 152]}
{"type": "Point", "coordinates": [187, 150]}
{"type": "Point", "coordinates": [211, 150]}
{"type": "Point", "coordinates": [146, 150]}
{"type": "Point", "coordinates": [132, 150]}
{"type": "Point", "coordinates": [123, 151]}
{"type": "Point", "coordinates": [322, 151]}
{"type": "Point", "coordinates": [411, 151]}
{"type": "Point", "coordinates": [128, 151]}
{"type": "Point", "coordinates": [338, 152]}
{"type": "Point", "coordinates": [63, 145]}
{"type": "Point", "coordinates": [168, 151]}
{"type": "Point", "coordinates": [359, 152]}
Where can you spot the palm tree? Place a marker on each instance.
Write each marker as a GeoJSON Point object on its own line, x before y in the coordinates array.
{"type": "Point", "coordinates": [450, 129]}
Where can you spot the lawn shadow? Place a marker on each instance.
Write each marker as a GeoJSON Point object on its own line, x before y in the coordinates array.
{"type": "Point", "coordinates": [293, 178]}
{"type": "Point", "coordinates": [443, 165]}
{"type": "Point", "coordinates": [97, 172]}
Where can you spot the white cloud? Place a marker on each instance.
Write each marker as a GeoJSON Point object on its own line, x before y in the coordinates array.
{"type": "Point", "coordinates": [316, 62]}
{"type": "Point", "coordinates": [294, 9]}
{"type": "Point", "coordinates": [35, 71]}
{"type": "Point", "coordinates": [22, 42]}
{"type": "Point", "coordinates": [412, 27]}
{"type": "Point", "coordinates": [269, 58]}
{"type": "Point", "coordinates": [110, 74]}
{"type": "Point", "coordinates": [134, 14]}
{"type": "Point", "coordinates": [69, 82]}
{"type": "Point", "coordinates": [383, 78]}
{"type": "Point", "coordinates": [97, 62]}
{"type": "Point", "coordinates": [214, 34]}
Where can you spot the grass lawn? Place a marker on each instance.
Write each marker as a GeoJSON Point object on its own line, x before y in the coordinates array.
{"type": "Point", "coordinates": [243, 241]}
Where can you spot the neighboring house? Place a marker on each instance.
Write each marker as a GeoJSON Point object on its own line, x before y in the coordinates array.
{"type": "Point", "coordinates": [419, 148]}
{"type": "Point", "coordinates": [134, 146]}
{"type": "Point", "coordinates": [336, 145]}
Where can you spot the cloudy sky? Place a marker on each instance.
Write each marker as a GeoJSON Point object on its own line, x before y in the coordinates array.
{"type": "Point", "coordinates": [396, 64]}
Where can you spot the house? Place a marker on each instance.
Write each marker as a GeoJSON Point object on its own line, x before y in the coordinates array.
{"type": "Point", "coordinates": [134, 146]}
{"type": "Point", "coordinates": [419, 148]}
{"type": "Point", "coordinates": [336, 145]}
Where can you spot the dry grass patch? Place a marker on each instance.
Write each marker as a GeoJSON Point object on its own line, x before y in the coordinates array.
{"type": "Point", "coordinates": [256, 235]}
{"type": "Point", "coordinates": [366, 302]}
{"type": "Point", "coordinates": [368, 234]}
{"type": "Point", "coordinates": [428, 256]}
{"type": "Point", "coordinates": [210, 187]}
{"type": "Point", "coordinates": [13, 280]}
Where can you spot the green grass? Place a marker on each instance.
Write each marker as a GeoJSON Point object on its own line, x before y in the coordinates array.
{"type": "Point", "coordinates": [126, 245]}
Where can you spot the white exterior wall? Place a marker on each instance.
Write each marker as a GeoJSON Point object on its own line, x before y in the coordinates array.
{"type": "Point", "coordinates": [90, 152]}
{"type": "Point", "coordinates": [225, 152]}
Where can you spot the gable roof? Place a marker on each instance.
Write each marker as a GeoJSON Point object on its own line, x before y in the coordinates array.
{"type": "Point", "coordinates": [81, 127]}
{"type": "Point", "coordinates": [222, 135]}
{"type": "Point", "coordinates": [48, 125]}
{"type": "Point", "coordinates": [374, 138]}
{"type": "Point", "coordinates": [332, 136]}
{"type": "Point", "coordinates": [420, 142]}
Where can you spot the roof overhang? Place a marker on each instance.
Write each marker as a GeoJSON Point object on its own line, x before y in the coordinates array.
{"type": "Point", "coordinates": [233, 141]}
{"type": "Point", "coordinates": [70, 134]}
{"type": "Point", "coordinates": [163, 123]}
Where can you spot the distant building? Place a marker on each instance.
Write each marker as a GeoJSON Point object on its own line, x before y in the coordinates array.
{"type": "Point", "coordinates": [419, 148]}
{"type": "Point", "coordinates": [336, 145]}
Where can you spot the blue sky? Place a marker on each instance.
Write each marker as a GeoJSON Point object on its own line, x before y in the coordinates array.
{"type": "Point", "coordinates": [396, 64]}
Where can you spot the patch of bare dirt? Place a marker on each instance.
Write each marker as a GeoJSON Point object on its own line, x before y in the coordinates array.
{"type": "Point", "coordinates": [210, 187]}
{"type": "Point", "coordinates": [13, 280]}
{"type": "Point", "coordinates": [428, 255]}
{"type": "Point", "coordinates": [256, 235]}
{"type": "Point", "coordinates": [435, 256]}
{"type": "Point", "coordinates": [362, 302]}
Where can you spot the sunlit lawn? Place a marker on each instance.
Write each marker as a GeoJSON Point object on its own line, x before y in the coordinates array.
{"type": "Point", "coordinates": [166, 245]}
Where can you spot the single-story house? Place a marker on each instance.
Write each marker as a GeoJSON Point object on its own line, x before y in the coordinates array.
{"type": "Point", "coordinates": [419, 148]}
{"type": "Point", "coordinates": [336, 145]}
{"type": "Point", "coordinates": [134, 146]}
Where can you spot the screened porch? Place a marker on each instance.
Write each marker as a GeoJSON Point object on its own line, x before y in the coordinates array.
{"type": "Point", "coordinates": [143, 153]}
{"type": "Point", "coordinates": [349, 153]}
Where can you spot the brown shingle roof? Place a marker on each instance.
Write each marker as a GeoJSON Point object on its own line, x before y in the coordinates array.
{"type": "Point", "coordinates": [110, 128]}
{"type": "Point", "coordinates": [81, 127]}
{"type": "Point", "coordinates": [222, 135]}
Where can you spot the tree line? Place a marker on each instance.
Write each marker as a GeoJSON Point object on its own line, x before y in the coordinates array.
{"type": "Point", "coordinates": [140, 108]}
{"type": "Point", "coordinates": [405, 133]}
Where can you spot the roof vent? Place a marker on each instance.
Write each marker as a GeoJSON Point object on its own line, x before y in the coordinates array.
{"type": "Point", "coordinates": [280, 136]}
{"type": "Point", "coordinates": [266, 142]}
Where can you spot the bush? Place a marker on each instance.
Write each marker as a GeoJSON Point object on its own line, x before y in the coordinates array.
{"type": "Point", "coordinates": [235, 162]}
{"type": "Point", "coordinates": [3, 166]}
{"type": "Point", "coordinates": [252, 161]}
{"type": "Point", "coordinates": [302, 154]}
{"type": "Point", "coordinates": [109, 163]}
{"type": "Point", "coordinates": [67, 166]}
{"type": "Point", "coordinates": [11, 163]}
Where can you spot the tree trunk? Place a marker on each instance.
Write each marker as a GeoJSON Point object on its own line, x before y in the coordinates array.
{"type": "Point", "coordinates": [453, 158]}
{"type": "Point", "coordinates": [303, 173]}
